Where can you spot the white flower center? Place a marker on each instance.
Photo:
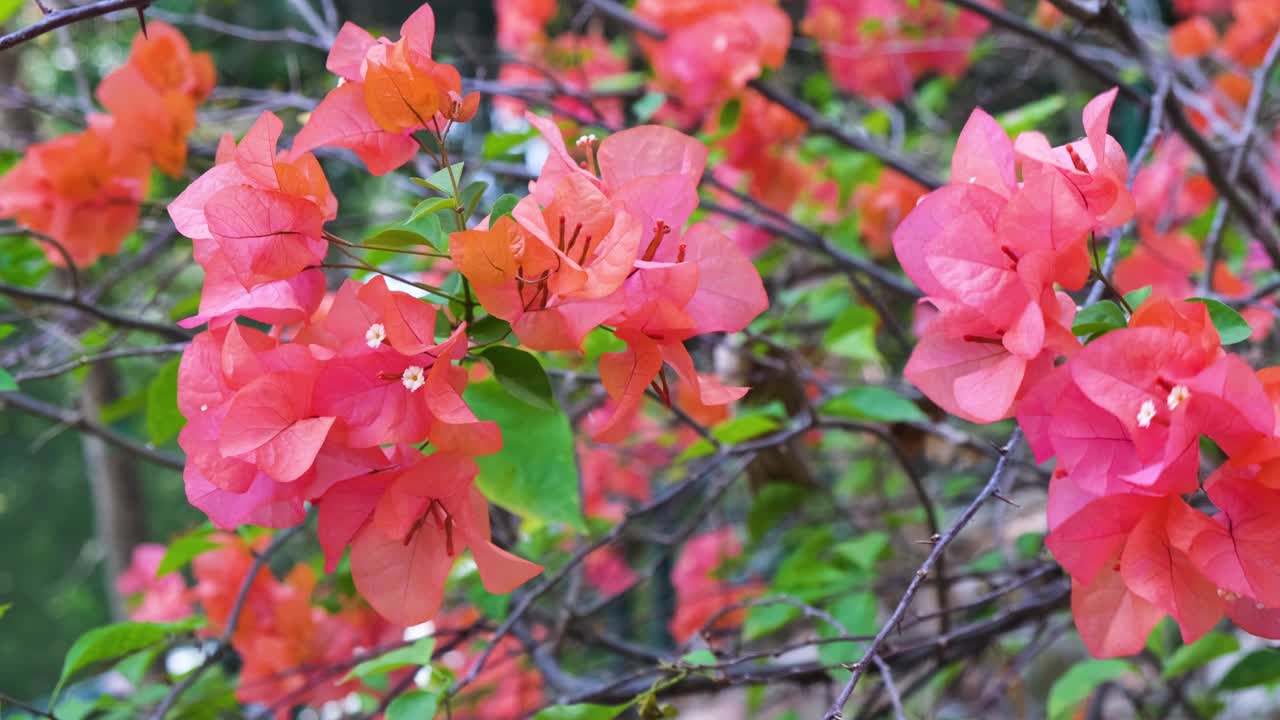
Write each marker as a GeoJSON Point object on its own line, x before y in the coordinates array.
{"type": "Point", "coordinates": [374, 336]}
{"type": "Point", "coordinates": [413, 378]}
{"type": "Point", "coordinates": [973, 179]}
{"type": "Point", "coordinates": [204, 408]}
{"type": "Point", "coordinates": [1227, 595]}
{"type": "Point", "coordinates": [1178, 395]}
{"type": "Point", "coordinates": [586, 140]}
{"type": "Point", "coordinates": [1145, 413]}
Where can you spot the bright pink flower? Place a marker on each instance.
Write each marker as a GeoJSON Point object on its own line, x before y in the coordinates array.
{"type": "Point", "coordinates": [159, 599]}
{"type": "Point", "coordinates": [409, 539]}
{"type": "Point", "coordinates": [256, 223]}
{"type": "Point", "coordinates": [1096, 165]}
{"type": "Point", "coordinates": [390, 91]}
{"type": "Point", "coordinates": [877, 48]}
{"type": "Point", "coordinates": [713, 47]}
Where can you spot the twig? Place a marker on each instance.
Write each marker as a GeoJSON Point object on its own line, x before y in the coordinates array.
{"type": "Point", "coordinates": [83, 360]}
{"type": "Point", "coordinates": [75, 420]}
{"type": "Point", "coordinates": [816, 122]}
{"type": "Point", "coordinates": [233, 619]}
{"type": "Point", "coordinates": [61, 18]}
{"type": "Point", "coordinates": [859, 668]}
{"type": "Point", "coordinates": [111, 317]}
{"type": "Point", "coordinates": [1253, 108]}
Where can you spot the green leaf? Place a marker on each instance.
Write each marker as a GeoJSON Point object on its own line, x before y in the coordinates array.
{"type": "Point", "coordinates": [110, 643]}
{"type": "Point", "coordinates": [535, 475]}
{"type": "Point", "coordinates": [8, 8]}
{"type": "Point", "coordinates": [1136, 297]}
{"type": "Point", "coordinates": [857, 612]}
{"type": "Point", "coordinates": [7, 383]}
{"type": "Point", "coordinates": [1032, 115]}
{"type": "Point", "coordinates": [1099, 317]}
{"type": "Point", "coordinates": [397, 238]}
{"type": "Point", "coordinates": [1078, 683]}
{"type": "Point", "coordinates": [619, 83]}
{"type": "Point", "coordinates": [876, 403]}
{"type": "Point", "coordinates": [4, 609]}
{"type": "Point", "coordinates": [414, 705]}
{"type": "Point", "coordinates": [430, 206]}
{"type": "Point", "coordinates": [581, 712]}
{"type": "Point", "coordinates": [1260, 667]}
{"type": "Point", "coordinates": [440, 179]}
{"type": "Point", "coordinates": [521, 374]}
{"type": "Point", "coordinates": [164, 420]}
{"type": "Point", "coordinates": [699, 657]}
{"type": "Point", "coordinates": [489, 329]}
{"type": "Point", "coordinates": [764, 619]}
{"type": "Point", "coordinates": [1213, 645]}
{"type": "Point", "coordinates": [865, 550]}
{"type": "Point", "coordinates": [7, 329]}
{"type": "Point", "coordinates": [498, 144]}
{"type": "Point", "coordinates": [471, 195]}
{"type": "Point", "coordinates": [734, 430]}
{"type": "Point", "coordinates": [647, 106]}
{"type": "Point", "coordinates": [185, 549]}
{"type": "Point", "coordinates": [416, 655]}
{"type": "Point", "coordinates": [1231, 327]}
{"type": "Point", "coordinates": [730, 112]}
{"type": "Point", "coordinates": [502, 207]}
{"type": "Point", "coordinates": [853, 335]}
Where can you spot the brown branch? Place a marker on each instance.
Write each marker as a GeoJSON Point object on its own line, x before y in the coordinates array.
{"type": "Point", "coordinates": [62, 18]}
{"type": "Point", "coordinates": [233, 619]}
{"type": "Point", "coordinates": [873, 649]}
{"type": "Point", "coordinates": [75, 420]}
{"type": "Point", "coordinates": [108, 316]}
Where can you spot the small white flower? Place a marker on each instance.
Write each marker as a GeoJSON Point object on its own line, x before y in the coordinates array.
{"type": "Point", "coordinates": [586, 140]}
{"type": "Point", "coordinates": [414, 378]}
{"type": "Point", "coordinates": [204, 408]}
{"type": "Point", "coordinates": [1227, 595]}
{"type": "Point", "coordinates": [1145, 413]}
{"type": "Point", "coordinates": [1178, 395]}
{"type": "Point", "coordinates": [973, 179]}
{"type": "Point", "coordinates": [374, 336]}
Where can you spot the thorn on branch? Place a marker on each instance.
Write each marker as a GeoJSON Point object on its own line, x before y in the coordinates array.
{"type": "Point", "coordinates": [142, 20]}
{"type": "Point", "coordinates": [1004, 499]}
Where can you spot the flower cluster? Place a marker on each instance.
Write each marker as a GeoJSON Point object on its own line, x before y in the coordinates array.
{"type": "Point", "coordinates": [585, 250]}
{"type": "Point", "coordinates": [84, 190]}
{"type": "Point", "coordinates": [388, 91]}
{"type": "Point", "coordinates": [701, 594]}
{"type": "Point", "coordinates": [1124, 414]}
{"type": "Point", "coordinates": [877, 48]}
{"type": "Point", "coordinates": [712, 48]}
{"type": "Point", "coordinates": [569, 64]}
{"type": "Point", "coordinates": [988, 252]}
{"type": "Point", "coordinates": [331, 414]}
{"type": "Point", "coordinates": [287, 640]}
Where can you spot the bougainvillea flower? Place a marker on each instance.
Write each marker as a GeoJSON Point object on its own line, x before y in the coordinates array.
{"type": "Point", "coordinates": [256, 221]}
{"type": "Point", "coordinates": [1168, 190]}
{"type": "Point", "coordinates": [152, 598]}
{"type": "Point", "coordinates": [1192, 38]}
{"type": "Point", "coordinates": [700, 593]}
{"type": "Point", "coordinates": [387, 380]}
{"type": "Point", "coordinates": [713, 47]}
{"type": "Point", "coordinates": [389, 91]}
{"type": "Point", "coordinates": [153, 96]}
{"type": "Point", "coordinates": [877, 48]}
{"type": "Point", "coordinates": [628, 374]}
{"type": "Point", "coordinates": [1251, 32]}
{"type": "Point", "coordinates": [1096, 165]}
{"type": "Point", "coordinates": [1164, 262]}
{"type": "Point", "coordinates": [83, 190]}
{"type": "Point", "coordinates": [521, 22]}
{"type": "Point", "coordinates": [428, 515]}
{"type": "Point", "coordinates": [569, 65]}
{"type": "Point", "coordinates": [882, 205]}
